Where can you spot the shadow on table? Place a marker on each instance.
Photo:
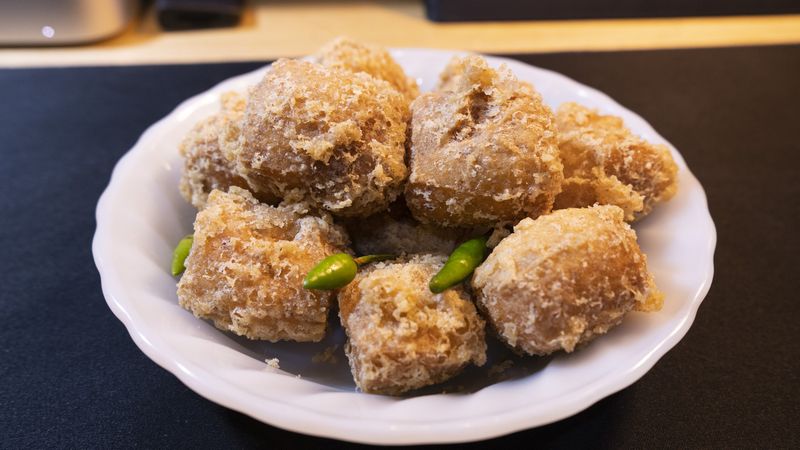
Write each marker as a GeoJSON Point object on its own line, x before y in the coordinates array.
{"type": "Point", "coordinates": [326, 363]}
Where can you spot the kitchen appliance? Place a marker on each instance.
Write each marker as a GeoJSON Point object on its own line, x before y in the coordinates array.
{"type": "Point", "coordinates": [62, 22]}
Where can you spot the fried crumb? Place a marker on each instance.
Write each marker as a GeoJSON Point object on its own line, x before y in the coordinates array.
{"type": "Point", "coordinates": [273, 363]}
{"type": "Point", "coordinates": [498, 369]}
{"type": "Point", "coordinates": [326, 356]}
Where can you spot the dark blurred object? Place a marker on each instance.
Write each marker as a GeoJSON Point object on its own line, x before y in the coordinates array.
{"type": "Point", "coordinates": [497, 10]}
{"type": "Point", "coordinates": [63, 22]}
{"type": "Point", "coordinates": [192, 14]}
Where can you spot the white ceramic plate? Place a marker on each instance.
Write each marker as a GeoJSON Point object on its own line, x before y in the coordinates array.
{"type": "Point", "coordinates": [141, 216]}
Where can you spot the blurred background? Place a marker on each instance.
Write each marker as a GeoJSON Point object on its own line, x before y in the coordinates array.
{"type": "Point", "coordinates": [101, 32]}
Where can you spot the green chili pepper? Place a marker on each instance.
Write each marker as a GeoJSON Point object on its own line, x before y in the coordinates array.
{"type": "Point", "coordinates": [337, 270]}
{"type": "Point", "coordinates": [461, 263]}
{"type": "Point", "coordinates": [180, 253]}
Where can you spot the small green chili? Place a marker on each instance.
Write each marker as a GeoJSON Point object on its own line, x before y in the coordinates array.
{"type": "Point", "coordinates": [180, 253]}
{"type": "Point", "coordinates": [337, 270]}
{"type": "Point", "coordinates": [461, 263]}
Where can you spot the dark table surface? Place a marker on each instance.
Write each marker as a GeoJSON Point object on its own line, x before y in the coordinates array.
{"type": "Point", "coordinates": [72, 377]}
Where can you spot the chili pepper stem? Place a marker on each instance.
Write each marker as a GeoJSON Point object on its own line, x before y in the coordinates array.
{"type": "Point", "coordinates": [336, 271]}
{"type": "Point", "coordinates": [366, 259]}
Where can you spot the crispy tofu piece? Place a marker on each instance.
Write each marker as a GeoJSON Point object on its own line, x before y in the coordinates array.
{"type": "Point", "coordinates": [347, 54]}
{"type": "Point", "coordinates": [327, 136]}
{"type": "Point", "coordinates": [483, 149]}
{"type": "Point", "coordinates": [400, 335]}
{"type": "Point", "coordinates": [563, 279]}
{"type": "Point", "coordinates": [605, 163]}
{"type": "Point", "coordinates": [205, 167]}
{"type": "Point", "coordinates": [246, 267]}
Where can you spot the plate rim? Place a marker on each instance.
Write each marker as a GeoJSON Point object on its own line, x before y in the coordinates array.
{"type": "Point", "coordinates": [298, 419]}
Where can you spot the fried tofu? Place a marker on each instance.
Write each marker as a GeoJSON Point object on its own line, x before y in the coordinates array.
{"type": "Point", "coordinates": [395, 232]}
{"type": "Point", "coordinates": [327, 136]}
{"type": "Point", "coordinates": [354, 56]}
{"type": "Point", "coordinates": [247, 263]}
{"type": "Point", "coordinates": [483, 149]}
{"type": "Point", "coordinates": [205, 166]}
{"type": "Point", "coordinates": [400, 336]}
{"type": "Point", "coordinates": [563, 279]}
{"type": "Point", "coordinates": [604, 162]}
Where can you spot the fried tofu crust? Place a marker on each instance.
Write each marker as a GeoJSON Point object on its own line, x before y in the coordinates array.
{"type": "Point", "coordinates": [205, 166]}
{"type": "Point", "coordinates": [563, 279]}
{"type": "Point", "coordinates": [604, 162]}
{"type": "Point", "coordinates": [400, 335]}
{"type": "Point", "coordinates": [327, 136]}
{"type": "Point", "coordinates": [483, 149]}
{"type": "Point", "coordinates": [396, 232]}
{"type": "Point", "coordinates": [347, 54]}
{"type": "Point", "coordinates": [246, 267]}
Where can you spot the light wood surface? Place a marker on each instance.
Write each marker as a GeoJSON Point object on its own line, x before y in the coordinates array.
{"type": "Point", "coordinates": [291, 28]}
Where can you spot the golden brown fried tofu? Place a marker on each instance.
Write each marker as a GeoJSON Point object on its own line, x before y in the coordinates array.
{"type": "Point", "coordinates": [205, 167]}
{"type": "Point", "coordinates": [483, 149]}
{"type": "Point", "coordinates": [246, 267]}
{"type": "Point", "coordinates": [563, 279]}
{"type": "Point", "coordinates": [347, 54]}
{"type": "Point", "coordinates": [323, 135]}
{"type": "Point", "coordinates": [395, 232]}
{"type": "Point", "coordinates": [398, 233]}
{"type": "Point", "coordinates": [605, 163]}
{"type": "Point", "coordinates": [400, 335]}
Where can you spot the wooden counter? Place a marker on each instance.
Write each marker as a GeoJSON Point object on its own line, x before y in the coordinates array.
{"type": "Point", "coordinates": [291, 28]}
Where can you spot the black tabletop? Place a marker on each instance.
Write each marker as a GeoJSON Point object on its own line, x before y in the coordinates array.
{"type": "Point", "coordinates": [72, 377]}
